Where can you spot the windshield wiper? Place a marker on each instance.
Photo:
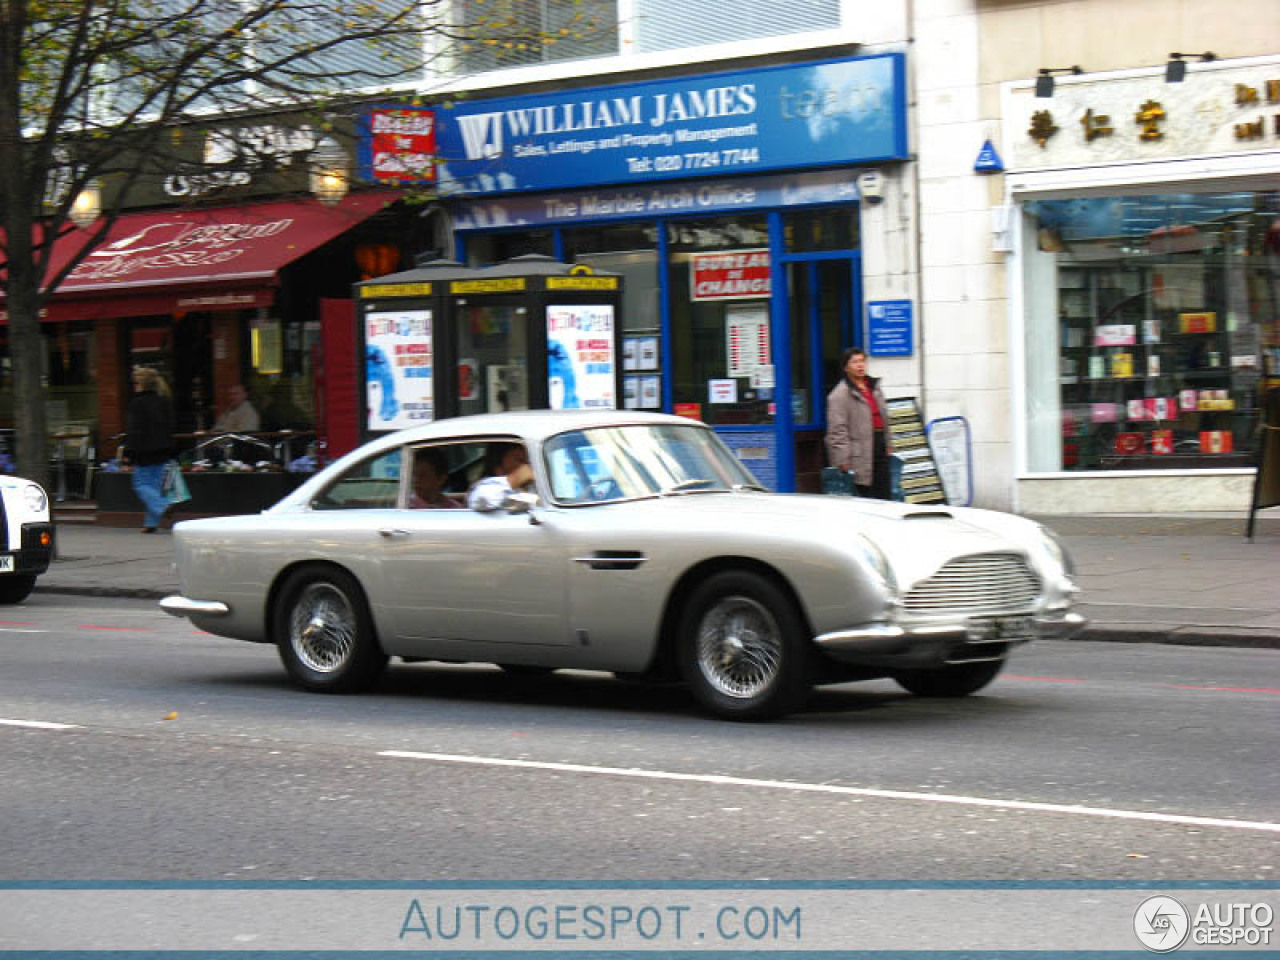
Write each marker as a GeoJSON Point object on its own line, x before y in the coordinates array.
{"type": "Point", "coordinates": [687, 485]}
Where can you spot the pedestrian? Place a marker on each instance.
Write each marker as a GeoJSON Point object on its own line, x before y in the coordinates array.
{"type": "Point", "coordinates": [857, 440]}
{"type": "Point", "coordinates": [240, 415]}
{"type": "Point", "coordinates": [148, 444]}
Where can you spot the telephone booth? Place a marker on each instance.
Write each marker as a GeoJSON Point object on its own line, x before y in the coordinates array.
{"type": "Point", "coordinates": [446, 340]}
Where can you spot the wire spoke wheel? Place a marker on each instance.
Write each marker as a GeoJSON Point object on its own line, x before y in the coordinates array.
{"type": "Point", "coordinates": [742, 647]}
{"type": "Point", "coordinates": [322, 627]}
{"type": "Point", "coordinates": [324, 632]}
{"type": "Point", "coordinates": [739, 647]}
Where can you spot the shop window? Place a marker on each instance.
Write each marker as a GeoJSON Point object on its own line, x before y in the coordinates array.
{"type": "Point", "coordinates": [719, 281]}
{"type": "Point", "coordinates": [673, 24]}
{"type": "Point", "coordinates": [1152, 329]}
{"type": "Point", "coordinates": [810, 231]}
{"type": "Point", "coordinates": [491, 248]}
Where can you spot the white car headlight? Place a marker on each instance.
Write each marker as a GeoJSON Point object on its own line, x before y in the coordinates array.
{"type": "Point", "coordinates": [875, 559]}
{"type": "Point", "coordinates": [1057, 550]}
{"type": "Point", "coordinates": [35, 497]}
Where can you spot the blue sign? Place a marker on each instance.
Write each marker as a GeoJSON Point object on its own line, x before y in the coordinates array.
{"type": "Point", "coordinates": [660, 199]}
{"type": "Point", "coordinates": [889, 331]}
{"type": "Point", "coordinates": [988, 160]}
{"type": "Point", "coordinates": [775, 118]}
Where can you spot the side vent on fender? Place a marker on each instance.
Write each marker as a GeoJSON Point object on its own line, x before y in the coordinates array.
{"type": "Point", "coordinates": [612, 559]}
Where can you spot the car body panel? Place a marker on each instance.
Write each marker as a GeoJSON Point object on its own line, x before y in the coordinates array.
{"type": "Point", "coordinates": [27, 529]}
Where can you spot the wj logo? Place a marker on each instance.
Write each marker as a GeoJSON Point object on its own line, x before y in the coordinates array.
{"type": "Point", "coordinates": [482, 135]}
{"type": "Point", "coordinates": [1161, 924]}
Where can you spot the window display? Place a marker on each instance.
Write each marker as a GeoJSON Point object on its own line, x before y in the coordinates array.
{"type": "Point", "coordinates": [1162, 323]}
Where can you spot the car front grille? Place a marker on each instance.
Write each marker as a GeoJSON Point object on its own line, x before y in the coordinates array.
{"type": "Point", "coordinates": [986, 583]}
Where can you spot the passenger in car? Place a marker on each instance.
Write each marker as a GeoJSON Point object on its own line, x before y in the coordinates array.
{"type": "Point", "coordinates": [430, 474]}
{"type": "Point", "coordinates": [506, 471]}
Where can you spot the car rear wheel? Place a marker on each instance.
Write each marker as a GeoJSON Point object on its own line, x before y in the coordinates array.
{"type": "Point", "coordinates": [325, 634]}
{"type": "Point", "coordinates": [742, 648]}
{"type": "Point", "coordinates": [16, 589]}
{"type": "Point", "coordinates": [959, 680]}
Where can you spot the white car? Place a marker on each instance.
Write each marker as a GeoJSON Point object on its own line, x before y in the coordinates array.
{"type": "Point", "coordinates": [28, 537]}
{"type": "Point", "coordinates": [642, 546]}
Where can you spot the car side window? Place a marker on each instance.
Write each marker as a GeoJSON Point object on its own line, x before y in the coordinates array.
{"type": "Point", "coordinates": [441, 475]}
{"type": "Point", "coordinates": [368, 485]}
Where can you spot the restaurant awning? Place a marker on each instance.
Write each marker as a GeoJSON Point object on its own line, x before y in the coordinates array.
{"type": "Point", "coordinates": [221, 258]}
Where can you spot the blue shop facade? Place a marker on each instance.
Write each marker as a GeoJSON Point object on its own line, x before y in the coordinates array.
{"type": "Point", "coordinates": [729, 203]}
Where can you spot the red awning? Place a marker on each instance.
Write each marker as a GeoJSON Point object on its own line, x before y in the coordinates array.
{"type": "Point", "coordinates": [222, 258]}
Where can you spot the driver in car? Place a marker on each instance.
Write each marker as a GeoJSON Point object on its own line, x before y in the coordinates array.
{"type": "Point", "coordinates": [506, 471]}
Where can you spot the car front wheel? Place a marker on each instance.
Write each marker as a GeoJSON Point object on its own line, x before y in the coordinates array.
{"type": "Point", "coordinates": [742, 648]}
{"type": "Point", "coordinates": [959, 680]}
{"type": "Point", "coordinates": [16, 589]}
{"type": "Point", "coordinates": [325, 634]}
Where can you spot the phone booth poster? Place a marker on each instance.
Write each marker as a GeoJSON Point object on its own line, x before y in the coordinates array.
{"type": "Point", "coordinates": [399, 389]}
{"type": "Point", "coordinates": [580, 357]}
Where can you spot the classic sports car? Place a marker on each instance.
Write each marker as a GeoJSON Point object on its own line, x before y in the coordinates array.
{"type": "Point", "coordinates": [26, 537]}
{"type": "Point", "coordinates": [642, 546]}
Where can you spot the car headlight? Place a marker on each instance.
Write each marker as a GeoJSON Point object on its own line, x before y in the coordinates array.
{"type": "Point", "coordinates": [35, 497]}
{"type": "Point", "coordinates": [875, 559]}
{"type": "Point", "coordinates": [1057, 550]}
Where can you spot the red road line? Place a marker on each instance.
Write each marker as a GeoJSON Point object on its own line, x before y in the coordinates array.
{"type": "Point", "coordinates": [16, 623]}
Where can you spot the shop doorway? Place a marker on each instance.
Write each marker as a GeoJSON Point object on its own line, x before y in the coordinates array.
{"type": "Point", "coordinates": [824, 302]}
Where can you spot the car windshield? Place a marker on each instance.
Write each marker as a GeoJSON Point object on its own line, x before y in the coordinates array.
{"type": "Point", "coordinates": [629, 463]}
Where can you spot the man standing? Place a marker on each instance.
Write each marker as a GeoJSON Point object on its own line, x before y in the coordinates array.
{"type": "Point", "coordinates": [239, 415]}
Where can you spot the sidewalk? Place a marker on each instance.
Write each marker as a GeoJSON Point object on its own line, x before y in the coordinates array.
{"type": "Point", "coordinates": [1190, 578]}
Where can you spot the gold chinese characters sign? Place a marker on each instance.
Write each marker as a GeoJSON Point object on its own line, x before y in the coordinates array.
{"type": "Point", "coordinates": [1219, 110]}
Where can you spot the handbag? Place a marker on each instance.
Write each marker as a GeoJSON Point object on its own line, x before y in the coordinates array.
{"type": "Point", "coordinates": [174, 485]}
{"type": "Point", "coordinates": [837, 482]}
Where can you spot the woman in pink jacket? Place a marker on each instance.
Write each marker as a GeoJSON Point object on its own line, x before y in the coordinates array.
{"type": "Point", "coordinates": [857, 438]}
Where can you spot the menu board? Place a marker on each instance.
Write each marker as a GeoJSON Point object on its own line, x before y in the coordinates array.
{"type": "Point", "coordinates": [920, 480]}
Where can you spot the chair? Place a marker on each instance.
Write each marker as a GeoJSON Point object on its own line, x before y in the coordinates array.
{"type": "Point", "coordinates": [73, 447]}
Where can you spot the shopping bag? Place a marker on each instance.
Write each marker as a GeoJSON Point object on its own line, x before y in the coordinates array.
{"type": "Point", "coordinates": [838, 482]}
{"type": "Point", "coordinates": [174, 484]}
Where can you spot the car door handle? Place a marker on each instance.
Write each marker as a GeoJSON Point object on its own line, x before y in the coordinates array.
{"type": "Point", "coordinates": [612, 560]}
{"type": "Point", "coordinates": [390, 532]}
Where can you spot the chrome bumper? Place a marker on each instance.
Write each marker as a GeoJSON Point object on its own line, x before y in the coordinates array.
{"type": "Point", "coordinates": [183, 607]}
{"type": "Point", "coordinates": [876, 643]}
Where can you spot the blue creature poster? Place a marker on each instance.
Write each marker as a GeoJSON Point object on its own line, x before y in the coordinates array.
{"type": "Point", "coordinates": [580, 357]}
{"type": "Point", "coordinates": [399, 388]}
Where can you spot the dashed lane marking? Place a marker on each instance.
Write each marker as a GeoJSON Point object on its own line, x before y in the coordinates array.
{"type": "Point", "coordinates": [39, 724]}
{"type": "Point", "coordinates": [833, 789]}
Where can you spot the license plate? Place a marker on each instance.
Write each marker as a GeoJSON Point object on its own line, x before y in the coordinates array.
{"type": "Point", "coordinates": [1000, 628]}
{"type": "Point", "coordinates": [6, 563]}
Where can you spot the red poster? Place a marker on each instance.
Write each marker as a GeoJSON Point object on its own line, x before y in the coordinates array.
{"type": "Point", "coordinates": [1215, 441]}
{"type": "Point", "coordinates": [729, 275]}
{"type": "Point", "coordinates": [691, 410]}
{"type": "Point", "coordinates": [402, 144]}
{"type": "Point", "coordinates": [1129, 443]}
{"type": "Point", "coordinates": [1162, 441]}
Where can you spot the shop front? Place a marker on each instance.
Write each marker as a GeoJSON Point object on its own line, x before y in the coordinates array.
{"type": "Point", "coordinates": [211, 298]}
{"type": "Point", "coordinates": [728, 203]}
{"type": "Point", "coordinates": [1148, 285]}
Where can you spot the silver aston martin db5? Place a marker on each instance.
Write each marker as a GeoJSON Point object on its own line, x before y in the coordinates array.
{"type": "Point", "coordinates": [625, 542]}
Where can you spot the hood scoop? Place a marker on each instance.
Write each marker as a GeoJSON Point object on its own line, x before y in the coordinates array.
{"type": "Point", "coordinates": [929, 515]}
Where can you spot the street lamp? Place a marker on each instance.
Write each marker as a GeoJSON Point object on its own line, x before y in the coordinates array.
{"type": "Point", "coordinates": [330, 172]}
{"type": "Point", "coordinates": [87, 206]}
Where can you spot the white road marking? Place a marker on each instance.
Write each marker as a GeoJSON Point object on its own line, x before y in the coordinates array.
{"type": "Point", "coordinates": [39, 724]}
{"type": "Point", "coordinates": [797, 787]}
{"type": "Point", "coordinates": [21, 630]}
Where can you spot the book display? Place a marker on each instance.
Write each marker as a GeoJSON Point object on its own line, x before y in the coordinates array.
{"type": "Point", "coordinates": [1154, 370]}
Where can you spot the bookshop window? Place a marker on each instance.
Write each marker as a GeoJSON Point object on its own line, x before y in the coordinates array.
{"type": "Point", "coordinates": [1153, 329]}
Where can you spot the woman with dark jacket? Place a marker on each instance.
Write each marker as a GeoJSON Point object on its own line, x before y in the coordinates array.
{"type": "Point", "coordinates": [148, 444]}
{"type": "Point", "coordinates": [857, 434]}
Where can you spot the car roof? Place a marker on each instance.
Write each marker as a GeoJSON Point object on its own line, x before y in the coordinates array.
{"type": "Point", "coordinates": [531, 425]}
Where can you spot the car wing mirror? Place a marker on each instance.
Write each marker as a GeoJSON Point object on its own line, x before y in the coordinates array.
{"type": "Point", "coordinates": [521, 502]}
